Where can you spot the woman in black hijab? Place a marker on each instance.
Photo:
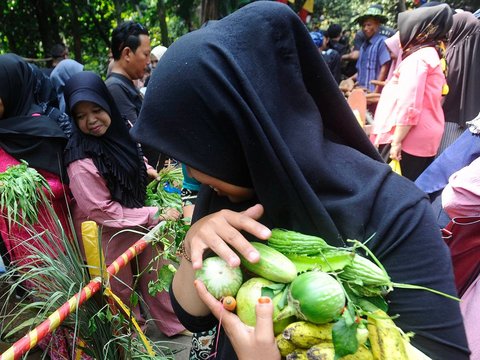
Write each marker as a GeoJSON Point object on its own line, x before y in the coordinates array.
{"type": "Point", "coordinates": [108, 178]}
{"type": "Point", "coordinates": [28, 133]}
{"type": "Point", "coordinates": [249, 106]}
{"type": "Point", "coordinates": [463, 76]}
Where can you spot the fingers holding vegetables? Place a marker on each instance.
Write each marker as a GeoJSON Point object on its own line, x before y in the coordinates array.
{"type": "Point", "coordinates": [220, 232]}
{"type": "Point", "coordinates": [171, 214]}
{"type": "Point", "coordinates": [249, 345]}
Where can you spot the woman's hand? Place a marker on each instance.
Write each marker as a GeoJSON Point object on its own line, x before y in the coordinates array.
{"type": "Point", "coordinates": [152, 173]}
{"type": "Point", "coordinates": [220, 232]}
{"type": "Point", "coordinates": [170, 214]}
{"type": "Point", "coordinates": [396, 151]}
{"type": "Point", "coordinates": [249, 343]}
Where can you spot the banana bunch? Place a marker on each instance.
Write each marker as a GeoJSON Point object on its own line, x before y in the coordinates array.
{"type": "Point", "coordinates": [387, 341]}
{"type": "Point", "coordinates": [306, 341]}
{"type": "Point", "coordinates": [303, 340]}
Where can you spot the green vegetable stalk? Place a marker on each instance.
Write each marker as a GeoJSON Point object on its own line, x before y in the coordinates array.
{"type": "Point", "coordinates": [22, 190]}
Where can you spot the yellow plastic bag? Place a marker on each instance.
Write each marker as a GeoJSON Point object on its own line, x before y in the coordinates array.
{"type": "Point", "coordinates": [395, 165]}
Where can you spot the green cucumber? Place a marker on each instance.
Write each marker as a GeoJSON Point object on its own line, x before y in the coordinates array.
{"type": "Point", "coordinates": [329, 261]}
{"type": "Point", "coordinates": [362, 271]}
{"type": "Point", "coordinates": [272, 265]}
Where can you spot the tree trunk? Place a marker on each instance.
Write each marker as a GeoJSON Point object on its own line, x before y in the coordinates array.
{"type": "Point", "coordinates": [209, 10]}
{"type": "Point", "coordinates": [44, 27]}
{"type": "Point", "coordinates": [77, 39]}
{"type": "Point", "coordinates": [163, 23]}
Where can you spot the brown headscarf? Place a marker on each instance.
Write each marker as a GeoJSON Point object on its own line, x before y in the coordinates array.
{"type": "Point", "coordinates": [423, 27]}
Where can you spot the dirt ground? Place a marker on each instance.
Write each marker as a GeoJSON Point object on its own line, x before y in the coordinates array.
{"type": "Point", "coordinates": [179, 343]}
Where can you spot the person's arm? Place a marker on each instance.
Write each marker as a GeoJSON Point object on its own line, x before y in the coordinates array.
{"type": "Point", "coordinates": [411, 88]}
{"type": "Point", "coordinates": [401, 131]}
{"type": "Point", "coordinates": [351, 56]}
{"type": "Point", "coordinates": [384, 59]}
{"type": "Point", "coordinates": [461, 196]}
{"type": "Point", "coordinates": [91, 193]}
{"type": "Point", "coordinates": [412, 251]}
{"type": "Point", "coordinates": [219, 232]}
{"type": "Point", "coordinates": [382, 75]}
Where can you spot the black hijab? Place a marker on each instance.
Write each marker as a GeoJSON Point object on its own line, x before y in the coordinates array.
{"type": "Point", "coordinates": [249, 100]}
{"type": "Point", "coordinates": [253, 105]}
{"type": "Point", "coordinates": [26, 133]}
{"type": "Point", "coordinates": [423, 27]}
{"type": "Point", "coordinates": [463, 77]}
{"type": "Point", "coordinates": [117, 157]}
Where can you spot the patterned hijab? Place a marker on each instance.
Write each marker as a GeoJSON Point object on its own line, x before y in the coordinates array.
{"type": "Point", "coordinates": [423, 27]}
{"type": "Point", "coordinates": [117, 157]}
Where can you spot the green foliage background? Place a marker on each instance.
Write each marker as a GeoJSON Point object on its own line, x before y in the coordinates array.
{"type": "Point", "coordinates": [31, 27]}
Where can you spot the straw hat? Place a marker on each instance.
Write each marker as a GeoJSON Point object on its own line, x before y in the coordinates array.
{"type": "Point", "coordinates": [374, 11]}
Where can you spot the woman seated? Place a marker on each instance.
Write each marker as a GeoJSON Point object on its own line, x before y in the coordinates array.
{"type": "Point", "coordinates": [108, 178]}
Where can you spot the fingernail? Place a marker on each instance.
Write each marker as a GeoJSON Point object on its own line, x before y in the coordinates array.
{"type": "Point", "coordinates": [265, 233]}
{"type": "Point", "coordinates": [253, 255]}
{"type": "Point", "coordinates": [264, 300]}
{"type": "Point", "coordinates": [233, 261]}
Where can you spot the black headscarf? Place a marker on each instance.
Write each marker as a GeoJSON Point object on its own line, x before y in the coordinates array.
{"type": "Point", "coordinates": [276, 128]}
{"type": "Point", "coordinates": [249, 100]}
{"type": "Point", "coordinates": [117, 157]}
{"type": "Point", "coordinates": [463, 77]}
{"type": "Point", "coordinates": [36, 139]}
{"type": "Point", "coordinates": [423, 27]}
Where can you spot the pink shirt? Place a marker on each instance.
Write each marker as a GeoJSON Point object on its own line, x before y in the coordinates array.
{"type": "Point", "coordinates": [461, 196]}
{"type": "Point", "coordinates": [94, 202]}
{"type": "Point", "coordinates": [413, 96]}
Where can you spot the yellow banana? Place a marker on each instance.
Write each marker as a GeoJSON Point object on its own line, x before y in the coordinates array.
{"type": "Point", "coordinates": [385, 338]}
{"type": "Point", "coordinates": [304, 334]}
{"type": "Point", "coordinates": [325, 351]}
{"type": "Point", "coordinates": [285, 346]}
{"type": "Point", "coordinates": [298, 354]}
{"type": "Point", "coordinates": [362, 354]}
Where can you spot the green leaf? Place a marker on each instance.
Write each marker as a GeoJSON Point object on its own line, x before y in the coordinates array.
{"type": "Point", "coordinates": [134, 299]}
{"type": "Point", "coordinates": [344, 337]}
{"type": "Point", "coordinates": [92, 327]}
{"type": "Point", "coordinates": [165, 277]}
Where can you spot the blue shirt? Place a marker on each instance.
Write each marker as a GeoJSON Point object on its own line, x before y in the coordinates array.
{"type": "Point", "coordinates": [373, 54]}
{"type": "Point", "coordinates": [189, 182]}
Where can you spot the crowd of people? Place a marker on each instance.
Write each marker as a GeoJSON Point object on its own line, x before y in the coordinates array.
{"type": "Point", "coordinates": [266, 139]}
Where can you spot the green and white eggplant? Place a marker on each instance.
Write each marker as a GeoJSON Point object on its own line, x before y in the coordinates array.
{"type": "Point", "coordinates": [219, 278]}
{"type": "Point", "coordinates": [314, 296]}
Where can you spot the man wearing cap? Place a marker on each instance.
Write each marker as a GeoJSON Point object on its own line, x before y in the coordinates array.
{"type": "Point", "coordinates": [374, 58]}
